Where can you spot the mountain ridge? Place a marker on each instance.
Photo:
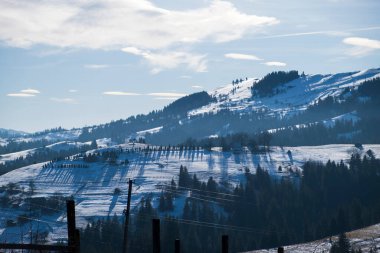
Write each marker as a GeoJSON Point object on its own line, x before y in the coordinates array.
{"type": "Point", "coordinates": [237, 107]}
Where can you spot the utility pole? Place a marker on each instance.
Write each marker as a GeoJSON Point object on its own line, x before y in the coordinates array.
{"type": "Point", "coordinates": [126, 213]}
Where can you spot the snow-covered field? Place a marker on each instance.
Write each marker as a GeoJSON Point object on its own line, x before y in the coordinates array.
{"type": "Point", "coordinates": [93, 187]}
{"type": "Point", "coordinates": [365, 239]}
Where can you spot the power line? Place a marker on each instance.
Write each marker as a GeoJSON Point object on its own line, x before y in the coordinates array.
{"type": "Point", "coordinates": [31, 219]}
{"type": "Point", "coordinates": [194, 189]}
{"type": "Point", "coordinates": [209, 224]}
{"type": "Point", "coordinates": [216, 200]}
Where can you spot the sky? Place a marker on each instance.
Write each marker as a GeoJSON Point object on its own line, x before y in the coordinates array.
{"type": "Point", "coordinates": [75, 63]}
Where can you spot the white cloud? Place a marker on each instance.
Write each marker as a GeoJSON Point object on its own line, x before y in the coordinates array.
{"type": "Point", "coordinates": [20, 95]}
{"type": "Point", "coordinates": [170, 60]}
{"type": "Point", "coordinates": [30, 91]}
{"type": "Point", "coordinates": [275, 64]}
{"type": "Point", "coordinates": [362, 42]}
{"type": "Point", "coordinates": [104, 24]}
{"type": "Point", "coordinates": [249, 57]}
{"type": "Point", "coordinates": [95, 66]}
{"type": "Point", "coordinates": [362, 46]}
{"type": "Point", "coordinates": [132, 50]}
{"type": "Point", "coordinates": [73, 91]}
{"type": "Point", "coordinates": [197, 87]}
{"type": "Point", "coordinates": [120, 93]}
{"type": "Point", "coordinates": [64, 100]}
{"type": "Point", "coordinates": [167, 94]}
{"type": "Point", "coordinates": [185, 77]}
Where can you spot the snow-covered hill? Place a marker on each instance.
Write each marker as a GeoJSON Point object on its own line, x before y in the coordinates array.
{"type": "Point", "coordinates": [62, 145]}
{"type": "Point", "coordinates": [294, 96]}
{"type": "Point", "coordinates": [4, 133]}
{"type": "Point", "coordinates": [93, 185]}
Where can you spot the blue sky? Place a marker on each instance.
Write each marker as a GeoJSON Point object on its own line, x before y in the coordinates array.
{"type": "Point", "coordinates": [79, 62]}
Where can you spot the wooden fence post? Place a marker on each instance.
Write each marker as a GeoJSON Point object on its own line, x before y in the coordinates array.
{"type": "Point", "coordinates": [177, 246]}
{"type": "Point", "coordinates": [224, 243]}
{"type": "Point", "coordinates": [73, 239]}
{"type": "Point", "coordinates": [156, 235]}
{"type": "Point", "coordinates": [77, 241]}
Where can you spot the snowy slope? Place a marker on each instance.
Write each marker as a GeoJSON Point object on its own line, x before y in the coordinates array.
{"type": "Point", "coordinates": [294, 96]}
{"type": "Point", "coordinates": [93, 187]}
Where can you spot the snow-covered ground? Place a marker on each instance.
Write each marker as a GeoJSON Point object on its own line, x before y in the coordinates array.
{"type": "Point", "coordinates": [365, 239]}
{"type": "Point", "coordinates": [351, 116]}
{"type": "Point", "coordinates": [93, 187]}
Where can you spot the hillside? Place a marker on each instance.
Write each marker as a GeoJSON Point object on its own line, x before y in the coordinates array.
{"type": "Point", "coordinates": [93, 183]}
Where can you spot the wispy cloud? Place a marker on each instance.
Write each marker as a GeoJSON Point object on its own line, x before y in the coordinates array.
{"type": "Point", "coordinates": [30, 91]}
{"type": "Point", "coordinates": [197, 87]}
{"type": "Point", "coordinates": [275, 64]}
{"type": "Point", "coordinates": [185, 77]}
{"type": "Point", "coordinates": [95, 66]}
{"type": "Point", "coordinates": [362, 46]}
{"type": "Point", "coordinates": [236, 56]}
{"type": "Point", "coordinates": [120, 93]}
{"type": "Point", "coordinates": [170, 60]}
{"type": "Point", "coordinates": [115, 24]}
{"type": "Point", "coordinates": [73, 91]}
{"type": "Point", "coordinates": [345, 32]}
{"type": "Point", "coordinates": [20, 95]}
{"type": "Point", "coordinates": [25, 93]}
{"type": "Point", "coordinates": [64, 100]}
